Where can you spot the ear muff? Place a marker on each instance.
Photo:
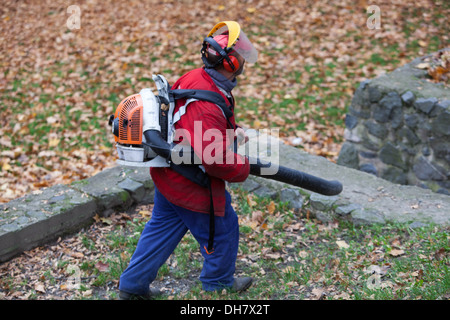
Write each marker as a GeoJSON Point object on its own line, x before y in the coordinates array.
{"type": "Point", "coordinates": [231, 64]}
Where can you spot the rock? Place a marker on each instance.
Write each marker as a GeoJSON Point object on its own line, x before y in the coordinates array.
{"type": "Point", "coordinates": [344, 210]}
{"type": "Point", "coordinates": [369, 168]}
{"type": "Point", "coordinates": [411, 120]}
{"type": "Point", "coordinates": [322, 203]}
{"type": "Point", "coordinates": [104, 187]}
{"type": "Point", "coordinates": [391, 155]}
{"type": "Point", "coordinates": [350, 121]}
{"type": "Point", "coordinates": [408, 97]}
{"type": "Point", "coordinates": [394, 175]}
{"type": "Point", "coordinates": [135, 189]}
{"type": "Point", "coordinates": [293, 196]}
{"type": "Point", "coordinates": [374, 94]}
{"type": "Point", "coordinates": [348, 156]}
{"type": "Point", "coordinates": [389, 102]}
{"type": "Point", "coordinates": [441, 125]}
{"type": "Point", "coordinates": [425, 104]}
{"type": "Point", "coordinates": [424, 170]}
{"type": "Point", "coordinates": [376, 129]}
{"type": "Point", "coordinates": [417, 224]}
{"type": "Point", "coordinates": [367, 216]}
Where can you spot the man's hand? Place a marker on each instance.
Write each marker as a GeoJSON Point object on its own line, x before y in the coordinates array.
{"type": "Point", "coordinates": [242, 137]}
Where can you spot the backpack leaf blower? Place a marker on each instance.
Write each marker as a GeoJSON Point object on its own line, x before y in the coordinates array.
{"type": "Point", "coordinates": [143, 128]}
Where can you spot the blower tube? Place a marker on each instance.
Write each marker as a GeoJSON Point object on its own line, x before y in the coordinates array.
{"type": "Point", "coordinates": [284, 174]}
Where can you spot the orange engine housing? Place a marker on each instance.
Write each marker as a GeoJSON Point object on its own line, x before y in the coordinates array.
{"type": "Point", "coordinates": [129, 113]}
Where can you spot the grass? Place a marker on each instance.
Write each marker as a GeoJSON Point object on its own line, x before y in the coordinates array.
{"type": "Point", "coordinates": [290, 255]}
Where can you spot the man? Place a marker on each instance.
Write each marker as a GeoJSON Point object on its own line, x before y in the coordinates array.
{"type": "Point", "coordinates": [181, 205]}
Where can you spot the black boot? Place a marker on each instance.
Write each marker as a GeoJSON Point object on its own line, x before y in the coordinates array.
{"type": "Point", "coordinates": [242, 284]}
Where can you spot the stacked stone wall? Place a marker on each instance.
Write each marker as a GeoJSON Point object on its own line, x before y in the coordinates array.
{"type": "Point", "coordinates": [398, 128]}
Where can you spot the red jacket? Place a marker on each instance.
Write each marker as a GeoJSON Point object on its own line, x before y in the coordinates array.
{"type": "Point", "coordinates": [233, 168]}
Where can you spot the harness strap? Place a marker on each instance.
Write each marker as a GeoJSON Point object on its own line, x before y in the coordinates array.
{"type": "Point", "coordinates": [195, 173]}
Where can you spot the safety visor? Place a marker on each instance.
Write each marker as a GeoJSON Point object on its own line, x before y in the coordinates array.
{"type": "Point", "coordinates": [237, 39]}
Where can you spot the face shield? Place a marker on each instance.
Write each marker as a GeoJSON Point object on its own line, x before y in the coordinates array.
{"type": "Point", "coordinates": [237, 39]}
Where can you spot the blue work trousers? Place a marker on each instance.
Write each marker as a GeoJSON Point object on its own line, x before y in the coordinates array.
{"type": "Point", "coordinates": [162, 233]}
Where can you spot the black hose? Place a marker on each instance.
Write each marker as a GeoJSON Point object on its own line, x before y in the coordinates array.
{"type": "Point", "coordinates": [296, 178]}
{"type": "Point", "coordinates": [282, 174]}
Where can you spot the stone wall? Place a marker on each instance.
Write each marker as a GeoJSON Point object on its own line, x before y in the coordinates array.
{"type": "Point", "coordinates": [398, 128]}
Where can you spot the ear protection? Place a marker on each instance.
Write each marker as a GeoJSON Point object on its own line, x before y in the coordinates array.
{"type": "Point", "coordinates": [230, 63]}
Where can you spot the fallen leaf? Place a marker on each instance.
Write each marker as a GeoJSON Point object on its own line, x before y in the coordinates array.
{"type": "Point", "coordinates": [39, 287]}
{"type": "Point", "coordinates": [144, 213]}
{"type": "Point", "coordinates": [250, 201]}
{"type": "Point", "coordinates": [423, 65]}
{"type": "Point", "coordinates": [396, 252]}
{"type": "Point", "coordinates": [342, 244]}
{"type": "Point", "coordinates": [318, 293]}
{"type": "Point", "coordinates": [102, 267]}
{"type": "Point", "coordinates": [271, 207]}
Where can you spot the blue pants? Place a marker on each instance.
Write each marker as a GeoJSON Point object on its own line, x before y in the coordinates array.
{"type": "Point", "coordinates": [167, 226]}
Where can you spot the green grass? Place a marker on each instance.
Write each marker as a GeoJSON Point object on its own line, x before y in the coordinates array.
{"type": "Point", "coordinates": [289, 255]}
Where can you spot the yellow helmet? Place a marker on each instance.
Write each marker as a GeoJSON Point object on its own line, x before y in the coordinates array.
{"type": "Point", "coordinates": [237, 40]}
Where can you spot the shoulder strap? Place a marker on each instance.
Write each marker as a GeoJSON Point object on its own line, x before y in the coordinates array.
{"type": "Point", "coordinates": [204, 95]}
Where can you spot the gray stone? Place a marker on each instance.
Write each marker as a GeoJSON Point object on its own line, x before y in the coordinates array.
{"type": "Point", "coordinates": [389, 154]}
{"type": "Point", "coordinates": [394, 175]}
{"type": "Point", "coordinates": [135, 189]}
{"type": "Point", "coordinates": [363, 84]}
{"type": "Point", "coordinates": [441, 125]}
{"type": "Point", "coordinates": [350, 121]}
{"type": "Point", "coordinates": [344, 210]}
{"type": "Point", "coordinates": [424, 170]}
{"type": "Point", "coordinates": [367, 217]}
{"type": "Point", "coordinates": [368, 154]}
{"type": "Point", "coordinates": [441, 148]}
{"type": "Point", "coordinates": [374, 94]}
{"type": "Point", "coordinates": [391, 100]}
{"type": "Point", "coordinates": [266, 192]}
{"type": "Point", "coordinates": [376, 129]}
{"type": "Point", "coordinates": [369, 168]}
{"type": "Point", "coordinates": [322, 203]}
{"type": "Point", "coordinates": [56, 199]}
{"type": "Point", "coordinates": [380, 113]}
{"type": "Point", "coordinates": [248, 185]}
{"type": "Point", "coordinates": [408, 97]}
{"type": "Point", "coordinates": [104, 188]}
{"type": "Point", "coordinates": [293, 196]}
{"type": "Point", "coordinates": [35, 219]}
{"type": "Point", "coordinates": [417, 224]}
{"type": "Point", "coordinates": [348, 156]}
{"type": "Point", "coordinates": [411, 120]}
{"type": "Point", "coordinates": [409, 135]}
{"type": "Point", "coordinates": [426, 151]}
{"type": "Point", "coordinates": [364, 114]}
{"type": "Point", "coordinates": [396, 117]}
{"type": "Point", "coordinates": [425, 104]}
{"type": "Point", "coordinates": [439, 108]}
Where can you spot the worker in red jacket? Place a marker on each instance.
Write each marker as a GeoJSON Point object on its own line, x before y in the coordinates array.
{"type": "Point", "coordinates": [181, 205]}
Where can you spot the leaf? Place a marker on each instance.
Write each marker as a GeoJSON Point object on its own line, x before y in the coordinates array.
{"type": "Point", "coordinates": [271, 207]}
{"type": "Point", "coordinates": [318, 293]}
{"type": "Point", "coordinates": [250, 201]}
{"type": "Point", "coordinates": [39, 287]}
{"type": "Point", "coordinates": [396, 252]}
{"type": "Point", "coordinates": [102, 267]}
{"type": "Point", "coordinates": [144, 213]}
{"type": "Point", "coordinates": [342, 244]}
{"type": "Point", "coordinates": [53, 142]}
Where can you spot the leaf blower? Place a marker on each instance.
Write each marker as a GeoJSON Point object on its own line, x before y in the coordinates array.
{"type": "Point", "coordinates": [143, 128]}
